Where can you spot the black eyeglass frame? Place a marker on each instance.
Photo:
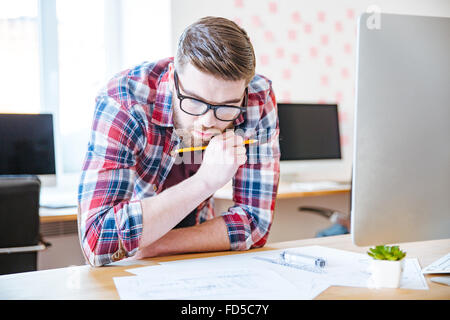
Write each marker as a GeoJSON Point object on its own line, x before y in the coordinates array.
{"type": "Point", "coordinates": [214, 107]}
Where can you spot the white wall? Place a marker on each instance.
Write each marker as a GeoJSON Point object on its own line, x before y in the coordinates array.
{"type": "Point", "coordinates": [146, 29]}
{"type": "Point", "coordinates": [307, 48]}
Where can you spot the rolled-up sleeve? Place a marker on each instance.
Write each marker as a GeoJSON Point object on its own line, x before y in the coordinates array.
{"type": "Point", "coordinates": [110, 224]}
{"type": "Point", "coordinates": [255, 184]}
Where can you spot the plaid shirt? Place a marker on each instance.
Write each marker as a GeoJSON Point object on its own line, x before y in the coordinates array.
{"type": "Point", "coordinates": [129, 158]}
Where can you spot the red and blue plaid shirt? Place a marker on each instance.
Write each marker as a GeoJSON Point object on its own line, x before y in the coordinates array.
{"type": "Point", "coordinates": [129, 158]}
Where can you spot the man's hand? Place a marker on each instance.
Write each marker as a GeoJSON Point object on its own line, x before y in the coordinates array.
{"type": "Point", "coordinates": [222, 158]}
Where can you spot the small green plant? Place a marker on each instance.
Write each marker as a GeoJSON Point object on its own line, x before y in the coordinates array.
{"type": "Point", "coordinates": [391, 253]}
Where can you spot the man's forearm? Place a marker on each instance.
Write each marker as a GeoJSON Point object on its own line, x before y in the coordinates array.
{"type": "Point", "coordinates": [163, 212]}
{"type": "Point", "coordinates": [211, 235]}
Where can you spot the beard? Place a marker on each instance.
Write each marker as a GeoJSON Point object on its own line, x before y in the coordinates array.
{"type": "Point", "coordinates": [189, 139]}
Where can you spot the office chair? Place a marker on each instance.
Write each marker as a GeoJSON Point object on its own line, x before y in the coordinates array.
{"type": "Point", "coordinates": [20, 240]}
{"type": "Point", "coordinates": [335, 218]}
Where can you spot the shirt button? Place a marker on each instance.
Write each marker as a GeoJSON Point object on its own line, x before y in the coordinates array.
{"type": "Point", "coordinates": [155, 188]}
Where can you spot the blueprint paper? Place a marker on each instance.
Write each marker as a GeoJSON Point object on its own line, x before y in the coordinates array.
{"type": "Point", "coordinates": [343, 268]}
{"type": "Point", "coordinates": [219, 283]}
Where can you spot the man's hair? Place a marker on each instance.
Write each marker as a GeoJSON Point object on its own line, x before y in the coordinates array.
{"type": "Point", "coordinates": [217, 46]}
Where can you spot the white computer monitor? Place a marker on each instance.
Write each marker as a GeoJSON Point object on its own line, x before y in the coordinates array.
{"type": "Point", "coordinates": [27, 146]}
{"type": "Point", "coordinates": [401, 161]}
{"type": "Point", "coordinates": [310, 143]}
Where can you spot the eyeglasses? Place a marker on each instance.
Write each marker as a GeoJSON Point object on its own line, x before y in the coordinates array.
{"type": "Point", "coordinates": [197, 107]}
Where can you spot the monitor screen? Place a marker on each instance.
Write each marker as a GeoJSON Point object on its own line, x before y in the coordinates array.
{"type": "Point", "coordinates": [26, 144]}
{"type": "Point", "coordinates": [309, 131]}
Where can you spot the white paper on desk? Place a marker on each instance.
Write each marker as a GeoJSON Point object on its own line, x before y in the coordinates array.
{"type": "Point", "coordinates": [218, 283]}
{"type": "Point", "coordinates": [344, 268]}
{"type": "Point", "coordinates": [308, 288]}
{"type": "Point", "coordinates": [412, 277]}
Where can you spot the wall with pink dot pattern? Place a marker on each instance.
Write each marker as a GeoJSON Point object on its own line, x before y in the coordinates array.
{"type": "Point", "coordinates": [307, 48]}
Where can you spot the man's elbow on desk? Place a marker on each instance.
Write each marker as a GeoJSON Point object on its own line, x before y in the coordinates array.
{"type": "Point", "coordinates": [246, 230]}
{"type": "Point", "coordinates": [102, 242]}
{"type": "Point", "coordinates": [98, 256]}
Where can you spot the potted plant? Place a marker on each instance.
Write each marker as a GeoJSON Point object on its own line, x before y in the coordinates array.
{"type": "Point", "coordinates": [386, 267]}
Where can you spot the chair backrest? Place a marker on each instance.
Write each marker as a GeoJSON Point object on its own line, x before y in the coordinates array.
{"type": "Point", "coordinates": [19, 211]}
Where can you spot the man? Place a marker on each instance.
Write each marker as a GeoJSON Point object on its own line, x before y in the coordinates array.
{"type": "Point", "coordinates": [138, 197]}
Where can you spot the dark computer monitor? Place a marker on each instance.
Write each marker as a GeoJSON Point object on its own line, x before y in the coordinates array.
{"type": "Point", "coordinates": [309, 131]}
{"type": "Point", "coordinates": [27, 144]}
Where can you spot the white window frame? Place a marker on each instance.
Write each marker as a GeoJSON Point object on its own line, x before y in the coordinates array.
{"type": "Point", "coordinates": [48, 55]}
{"type": "Point", "coordinates": [49, 66]}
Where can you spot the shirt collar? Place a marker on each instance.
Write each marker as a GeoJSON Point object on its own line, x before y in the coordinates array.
{"type": "Point", "coordinates": [163, 110]}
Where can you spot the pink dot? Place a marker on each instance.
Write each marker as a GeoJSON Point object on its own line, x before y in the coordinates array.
{"type": "Point", "coordinates": [268, 35]}
{"type": "Point", "coordinates": [321, 16]}
{"type": "Point", "coordinates": [338, 26]}
{"type": "Point", "coordinates": [324, 80]}
{"type": "Point", "coordinates": [344, 140]}
{"type": "Point", "coordinates": [280, 52]}
{"type": "Point", "coordinates": [272, 7]}
{"type": "Point", "coordinates": [345, 73]}
{"type": "Point", "coordinates": [321, 101]}
{"type": "Point", "coordinates": [256, 21]}
{"type": "Point", "coordinates": [295, 58]}
{"type": "Point", "coordinates": [239, 3]}
{"type": "Point", "coordinates": [350, 13]}
{"type": "Point", "coordinates": [238, 21]}
{"type": "Point", "coordinates": [342, 115]}
{"type": "Point", "coordinates": [348, 48]}
{"type": "Point", "coordinates": [313, 52]}
{"type": "Point", "coordinates": [296, 17]}
{"type": "Point", "coordinates": [324, 39]}
{"type": "Point", "coordinates": [339, 96]}
{"type": "Point", "coordinates": [307, 28]}
{"type": "Point", "coordinates": [292, 34]}
{"type": "Point", "coordinates": [329, 61]}
{"type": "Point", "coordinates": [287, 74]}
{"type": "Point", "coordinates": [286, 96]}
{"type": "Point", "coordinates": [264, 59]}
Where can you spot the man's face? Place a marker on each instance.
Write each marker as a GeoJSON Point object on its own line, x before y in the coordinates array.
{"type": "Point", "coordinates": [198, 130]}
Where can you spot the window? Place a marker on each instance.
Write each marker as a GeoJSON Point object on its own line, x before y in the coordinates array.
{"type": "Point", "coordinates": [82, 73]}
{"type": "Point", "coordinates": [57, 55]}
{"type": "Point", "coordinates": [19, 57]}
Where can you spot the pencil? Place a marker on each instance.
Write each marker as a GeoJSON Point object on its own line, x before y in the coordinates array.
{"type": "Point", "coordinates": [251, 141]}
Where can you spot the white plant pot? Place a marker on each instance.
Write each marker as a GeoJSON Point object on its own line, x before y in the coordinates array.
{"type": "Point", "coordinates": [385, 273]}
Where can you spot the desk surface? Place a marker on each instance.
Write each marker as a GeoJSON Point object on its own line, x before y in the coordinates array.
{"type": "Point", "coordinates": [285, 191]}
{"type": "Point", "coordinates": [85, 282]}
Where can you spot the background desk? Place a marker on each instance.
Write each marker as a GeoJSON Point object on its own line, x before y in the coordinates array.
{"type": "Point", "coordinates": [285, 191]}
{"type": "Point", "coordinates": [85, 282]}
{"type": "Point", "coordinates": [288, 222]}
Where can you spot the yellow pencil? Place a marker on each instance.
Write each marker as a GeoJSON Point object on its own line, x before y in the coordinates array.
{"type": "Point", "coordinates": [251, 141]}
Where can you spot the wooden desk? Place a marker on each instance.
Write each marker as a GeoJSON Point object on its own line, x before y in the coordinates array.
{"type": "Point", "coordinates": [289, 191]}
{"type": "Point", "coordinates": [85, 282]}
{"type": "Point", "coordinates": [55, 215]}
